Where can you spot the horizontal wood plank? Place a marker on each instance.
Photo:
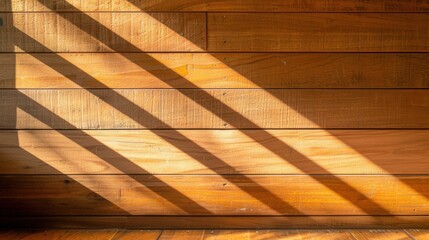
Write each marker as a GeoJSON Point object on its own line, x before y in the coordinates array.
{"type": "Point", "coordinates": [235, 234]}
{"type": "Point", "coordinates": [220, 152]}
{"type": "Point", "coordinates": [309, 32]}
{"type": "Point", "coordinates": [256, 234]}
{"type": "Point", "coordinates": [78, 234]}
{"type": "Point", "coordinates": [205, 222]}
{"type": "Point", "coordinates": [94, 234]}
{"type": "Point", "coordinates": [136, 234]}
{"type": "Point", "coordinates": [418, 234]}
{"type": "Point", "coordinates": [221, 5]}
{"type": "Point", "coordinates": [285, 234]}
{"type": "Point", "coordinates": [241, 195]}
{"type": "Point", "coordinates": [103, 32]}
{"type": "Point", "coordinates": [379, 234]}
{"type": "Point", "coordinates": [59, 234]}
{"type": "Point", "coordinates": [216, 108]}
{"type": "Point", "coordinates": [216, 70]}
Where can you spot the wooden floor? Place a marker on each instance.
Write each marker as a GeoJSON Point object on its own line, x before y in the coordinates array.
{"type": "Point", "coordinates": [112, 234]}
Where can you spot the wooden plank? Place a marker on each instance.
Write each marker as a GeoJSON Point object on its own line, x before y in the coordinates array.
{"type": "Point", "coordinates": [207, 222]}
{"type": "Point", "coordinates": [104, 32]}
{"type": "Point", "coordinates": [379, 234]}
{"type": "Point", "coordinates": [241, 195]}
{"type": "Point", "coordinates": [222, 5]}
{"type": "Point", "coordinates": [63, 234]}
{"type": "Point", "coordinates": [206, 234]}
{"type": "Point", "coordinates": [321, 234]}
{"type": "Point", "coordinates": [418, 234]}
{"type": "Point", "coordinates": [187, 234]}
{"type": "Point", "coordinates": [216, 108]}
{"type": "Point", "coordinates": [209, 234]}
{"type": "Point", "coordinates": [137, 234]}
{"type": "Point", "coordinates": [256, 234]}
{"type": "Point", "coordinates": [11, 234]}
{"type": "Point", "coordinates": [217, 70]}
{"type": "Point", "coordinates": [309, 32]}
{"type": "Point", "coordinates": [220, 152]}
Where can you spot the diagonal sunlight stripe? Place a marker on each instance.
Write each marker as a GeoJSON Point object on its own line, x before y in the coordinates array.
{"type": "Point", "coordinates": [261, 193]}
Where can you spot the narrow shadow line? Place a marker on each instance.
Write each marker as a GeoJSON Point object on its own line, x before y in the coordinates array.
{"type": "Point", "coordinates": [144, 118]}
{"type": "Point", "coordinates": [86, 21]}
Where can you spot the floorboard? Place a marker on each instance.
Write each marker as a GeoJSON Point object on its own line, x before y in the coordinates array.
{"type": "Point", "coordinates": [254, 234]}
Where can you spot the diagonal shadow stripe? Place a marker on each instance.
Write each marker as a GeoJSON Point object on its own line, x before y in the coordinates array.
{"type": "Point", "coordinates": [143, 117]}
{"type": "Point", "coordinates": [12, 207]}
{"type": "Point", "coordinates": [365, 204]}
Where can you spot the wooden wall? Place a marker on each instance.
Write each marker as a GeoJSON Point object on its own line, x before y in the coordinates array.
{"type": "Point", "coordinates": [214, 113]}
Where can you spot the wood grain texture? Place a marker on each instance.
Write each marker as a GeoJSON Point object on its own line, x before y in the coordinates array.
{"type": "Point", "coordinates": [60, 234]}
{"type": "Point", "coordinates": [166, 152]}
{"type": "Point", "coordinates": [137, 234]}
{"type": "Point", "coordinates": [322, 235]}
{"type": "Point", "coordinates": [388, 32]}
{"type": "Point", "coordinates": [216, 70]}
{"type": "Point", "coordinates": [256, 234]}
{"type": "Point", "coordinates": [104, 32]}
{"type": "Point", "coordinates": [79, 234]}
{"type": "Point", "coordinates": [217, 108]}
{"type": "Point", "coordinates": [274, 234]}
{"type": "Point", "coordinates": [207, 222]}
{"type": "Point", "coordinates": [379, 234]}
{"type": "Point", "coordinates": [222, 5]}
{"type": "Point", "coordinates": [418, 234]}
{"type": "Point", "coordinates": [144, 195]}
{"type": "Point", "coordinates": [8, 234]}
